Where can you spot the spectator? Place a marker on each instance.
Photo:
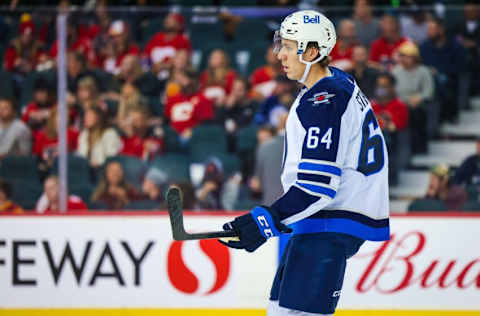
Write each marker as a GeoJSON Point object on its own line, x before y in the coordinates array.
{"type": "Point", "coordinates": [468, 33]}
{"type": "Point", "coordinates": [87, 95]}
{"type": "Point", "coordinates": [262, 79]}
{"type": "Point", "coordinates": [162, 47]}
{"type": "Point", "coordinates": [414, 24]}
{"type": "Point", "coordinates": [113, 189]}
{"type": "Point", "coordinates": [341, 54]}
{"type": "Point", "coordinates": [154, 185]}
{"type": "Point", "coordinates": [49, 201]}
{"type": "Point", "coordinates": [76, 42]}
{"type": "Point", "coordinates": [97, 141]}
{"type": "Point", "coordinates": [415, 87]}
{"type": "Point", "coordinates": [217, 80]}
{"type": "Point", "coordinates": [45, 143]}
{"type": "Point", "coordinates": [209, 193]}
{"type": "Point", "coordinates": [268, 166]}
{"type": "Point", "coordinates": [121, 47]}
{"type": "Point", "coordinates": [139, 139]}
{"type": "Point", "coordinates": [392, 116]}
{"type": "Point", "coordinates": [441, 188]}
{"type": "Point", "coordinates": [383, 50]}
{"type": "Point", "coordinates": [238, 110]}
{"type": "Point", "coordinates": [38, 110]}
{"type": "Point", "coordinates": [189, 108]}
{"type": "Point", "coordinates": [181, 63]}
{"type": "Point", "coordinates": [278, 104]}
{"type": "Point", "coordinates": [365, 76]}
{"type": "Point", "coordinates": [468, 174]}
{"type": "Point", "coordinates": [7, 206]}
{"type": "Point", "coordinates": [265, 133]}
{"type": "Point", "coordinates": [130, 99]}
{"type": "Point", "coordinates": [130, 72]}
{"type": "Point", "coordinates": [25, 52]}
{"type": "Point", "coordinates": [76, 70]}
{"type": "Point", "coordinates": [15, 137]}
{"type": "Point", "coordinates": [391, 112]}
{"type": "Point", "coordinates": [446, 57]}
{"type": "Point", "coordinates": [366, 25]}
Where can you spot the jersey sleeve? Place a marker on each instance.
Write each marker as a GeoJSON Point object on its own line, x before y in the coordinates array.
{"type": "Point", "coordinates": [320, 166]}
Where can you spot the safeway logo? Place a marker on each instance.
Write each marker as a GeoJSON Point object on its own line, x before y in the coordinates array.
{"type": "Point", "coordinates": [200, 256]}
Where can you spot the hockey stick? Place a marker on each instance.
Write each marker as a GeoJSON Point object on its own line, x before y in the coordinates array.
{"type": "Point", "coordinates": [175, 212]}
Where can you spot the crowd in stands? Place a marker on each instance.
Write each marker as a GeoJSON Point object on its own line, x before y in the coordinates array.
{"type": "Point", "coordinates": [142, 116]}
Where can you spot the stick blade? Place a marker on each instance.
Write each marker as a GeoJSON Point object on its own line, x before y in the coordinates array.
{"type": "Point", "coordinates": [175, 212]}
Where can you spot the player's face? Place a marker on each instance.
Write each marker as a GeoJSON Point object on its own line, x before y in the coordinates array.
{"type": "Point", "coordinates": [291, 64]}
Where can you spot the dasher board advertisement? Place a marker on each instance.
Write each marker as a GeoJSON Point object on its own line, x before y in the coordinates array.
{"type": "Point", "coordinates": [131, 261]}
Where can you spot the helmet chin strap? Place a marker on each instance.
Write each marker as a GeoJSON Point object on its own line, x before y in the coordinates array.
{"type": "Point", "coordinates": [308, 65]}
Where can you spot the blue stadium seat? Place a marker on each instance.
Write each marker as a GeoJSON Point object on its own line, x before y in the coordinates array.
{"type": "Point", "coordinates": [176, 166]}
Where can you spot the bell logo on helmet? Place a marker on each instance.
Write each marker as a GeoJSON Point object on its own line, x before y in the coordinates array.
{"type": "Point", "coordinates": [315, 19]}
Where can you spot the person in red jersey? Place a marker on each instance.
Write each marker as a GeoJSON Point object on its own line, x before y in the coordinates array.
{"type": "Point", "coordinates": [25, 52]}
{"type": "Point", "coordinates": [141, 140]}
{"type": "Point", "coordinates": [36, 113]}
{"type": "Point", "coordinates": [342, 52]}
{"type": "Point", "coordinates": [48, 202]}
{"type": "Point", "coordinates": [217, 80]}
{"type": "Point", "coordinates": [383, 50]}
{"type": "Point", "coordinates": [121, 46]}
{"type": "Point", "coordinates": [188, 108]}
{"type": "Point", "coordinates": [262, 80]}
{"type": "Point", "coordinates": [161, 48]}
{"type": "Point", "coordinates": [7, 206]}
{"type": "Point", "coordinates": [75, 43]}
{"type": "Point", "coordinates": [45, 144]}
{"type": "Point", "coordinates": [391, 112]}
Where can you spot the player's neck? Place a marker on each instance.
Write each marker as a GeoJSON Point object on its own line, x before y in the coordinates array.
{"type": "Point", "coordinates": [316, 74]}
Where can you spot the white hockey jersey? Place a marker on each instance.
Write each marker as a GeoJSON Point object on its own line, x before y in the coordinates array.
{"type": "Point", "coordinates": [335, 166]}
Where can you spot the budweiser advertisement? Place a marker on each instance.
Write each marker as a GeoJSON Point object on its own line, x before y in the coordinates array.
{"type": "Point", "coordinates": [130, 261]}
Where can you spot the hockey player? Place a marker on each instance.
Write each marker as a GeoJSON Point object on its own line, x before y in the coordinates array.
{"type": "Point", "coordinates": [335, 176]}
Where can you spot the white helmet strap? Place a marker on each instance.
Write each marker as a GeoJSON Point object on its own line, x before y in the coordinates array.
{"type": "Point", "coordinates": [308, 65]}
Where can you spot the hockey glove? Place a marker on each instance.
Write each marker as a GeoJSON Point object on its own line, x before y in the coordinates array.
{"type": "Point", "coordinates": [255, 228]}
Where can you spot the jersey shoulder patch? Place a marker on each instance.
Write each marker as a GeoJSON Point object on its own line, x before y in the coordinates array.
{"type": "Point", "coordinates": [327, 99]}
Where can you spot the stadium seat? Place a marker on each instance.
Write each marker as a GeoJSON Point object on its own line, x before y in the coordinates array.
{"type": "Point", "coordinates": [83, 191]}
{"type": "Point", "coordinates": [143, 205]}
{"type": "Point", "coordinates": [26, 193]}
{"type": "Point", "coordinates": [247, 139]}
{"type": "Point", "coordinates": [209, 134]}
{"type": "Point", "coordinates": [471, 206]}
{"type": "Point", "coordinates": [170, 140]}
{"type": "Point", "coordinates": [176, 166]}
{"type": "Point", "coordinates": [19, 168]}
{"type": "Point", "coordinates": [230, 163]}
{"type": "Point", "coordinates": [78, 170]}
{"type": "Point", "coordinates": [8, 90]}
{"type": "Point", "coordinates": [421, 205]}
{"type": "Point", "coordinates": [133, 168]}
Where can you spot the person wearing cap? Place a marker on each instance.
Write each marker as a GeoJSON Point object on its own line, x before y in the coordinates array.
{"type": "Point", "coordinates": [415, 87]}
{"type": "Point", "coordinates": [161, 48]}
{"type": "Point", "coordinates": [121, 46]}
{"type": "Point", "coordinates": [24, 52]}
{"type": "Point", "coordinates": [154, 185]}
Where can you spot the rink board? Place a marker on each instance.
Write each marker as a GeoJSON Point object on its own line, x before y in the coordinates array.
{"type": "Point", "coordinates": [126, 263]}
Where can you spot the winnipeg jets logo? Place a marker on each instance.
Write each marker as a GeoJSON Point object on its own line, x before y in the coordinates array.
{"type": "Point", "coordinates": [322, 97]}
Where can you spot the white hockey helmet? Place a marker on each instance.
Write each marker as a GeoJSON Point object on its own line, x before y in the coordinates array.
{"type": "Point", "coordinates": [307, 26]}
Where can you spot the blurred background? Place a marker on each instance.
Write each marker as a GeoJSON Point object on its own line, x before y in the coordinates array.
{"type": "Point", "coordinates": [104, 104]}
{"type": "Point", "coordinates": [189, 92]}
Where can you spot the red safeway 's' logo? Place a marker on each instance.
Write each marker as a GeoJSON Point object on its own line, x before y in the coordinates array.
{"type": "Point", "coordinates": [184, 280]}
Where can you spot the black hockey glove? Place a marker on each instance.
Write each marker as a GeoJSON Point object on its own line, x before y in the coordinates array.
{"type": "Point", "coordinates": [255, 228]}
